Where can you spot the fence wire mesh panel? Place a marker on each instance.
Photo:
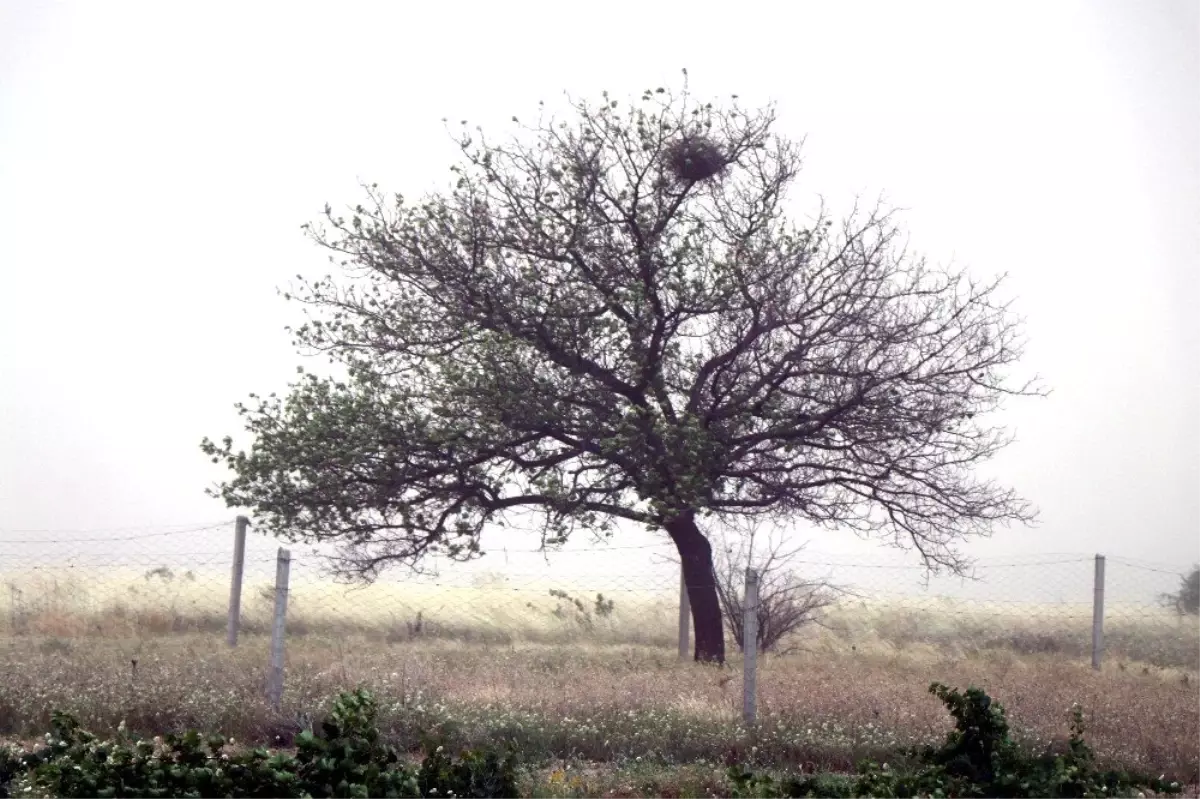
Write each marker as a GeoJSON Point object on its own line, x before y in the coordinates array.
{"type": "Point", "coordinates": [131, 584]}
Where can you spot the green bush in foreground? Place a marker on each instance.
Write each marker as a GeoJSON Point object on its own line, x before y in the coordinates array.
{"type": "Point", "coordinates": [978, 759]}
{"type": "Point", "coordinates": [345, 759]}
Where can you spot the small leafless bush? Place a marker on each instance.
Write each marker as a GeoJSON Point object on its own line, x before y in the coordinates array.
{"type": "Point", "coordinates": [786, 602]}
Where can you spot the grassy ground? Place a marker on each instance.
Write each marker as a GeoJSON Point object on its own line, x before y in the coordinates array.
{"type": "Point", "coordinates": [601, 703]}
{"type": "Point", "coordinates": [574, 684]}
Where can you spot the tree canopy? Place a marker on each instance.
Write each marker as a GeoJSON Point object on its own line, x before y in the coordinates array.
{"type": "Point", "coordinates": [613, 316]}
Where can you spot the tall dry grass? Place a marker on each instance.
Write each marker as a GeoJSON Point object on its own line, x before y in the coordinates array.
{"type": "Point", "coordinates": [69, 604]}
{"type": "Point", "coordinates": [131, 604]}
{"type": "Point", "coordinates": [1132, 634]}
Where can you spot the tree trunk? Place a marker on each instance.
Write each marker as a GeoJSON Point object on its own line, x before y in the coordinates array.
{"type": "Point", "coordinates": [695, 553]}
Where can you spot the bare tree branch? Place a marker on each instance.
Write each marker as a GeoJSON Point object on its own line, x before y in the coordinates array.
{"type": "Point", "coordinates": [787, 603]}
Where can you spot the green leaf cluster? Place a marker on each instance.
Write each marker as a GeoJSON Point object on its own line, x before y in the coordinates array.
{"type": "Point", "coordinates": [977, 759]}
{"type": "Point", "coordinates": [345, 758]}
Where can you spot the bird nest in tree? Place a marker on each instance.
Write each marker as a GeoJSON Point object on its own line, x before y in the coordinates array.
{"type": "Point", "coordinates": [695, 158]}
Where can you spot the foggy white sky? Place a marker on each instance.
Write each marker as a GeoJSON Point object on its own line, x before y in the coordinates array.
{"type": "Point", "coordinates": [157, 160]}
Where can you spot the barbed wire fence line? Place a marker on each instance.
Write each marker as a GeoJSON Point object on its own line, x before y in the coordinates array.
{"type": "Point", "coordinates": [68, 585]}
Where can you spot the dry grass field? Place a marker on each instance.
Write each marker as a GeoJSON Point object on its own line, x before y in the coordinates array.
{"type": "Point", "coordinates": [602, 691]}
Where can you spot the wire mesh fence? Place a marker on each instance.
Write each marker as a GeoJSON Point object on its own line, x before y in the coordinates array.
{"type": "Point", "coordinates": [124, 584]}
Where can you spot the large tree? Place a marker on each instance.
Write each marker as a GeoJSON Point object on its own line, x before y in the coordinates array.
{"type": "Point", "coordinates": [611, 316]}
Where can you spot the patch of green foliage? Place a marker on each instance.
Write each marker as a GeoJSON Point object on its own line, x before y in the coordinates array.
{"type": "Point", "coordinates": [10, 767]}
{"type": "Point", "coordinates": [977, 759]}
{"type": "Point", "coordinates": [345, 759]}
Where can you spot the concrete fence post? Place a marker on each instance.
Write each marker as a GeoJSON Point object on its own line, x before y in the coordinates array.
{"type": "Point", "coordinates": [750, 650]}
{"type": "Point", "coordinates": [1098, 614]}
{"type": "Point", "coordinates": [15, 609]}
{"type": "Point", "coordinates": [685, 615]}
{"type": "Point", "coordinates": [283, 564]}
{"type": "Point", "coordinates": [235, 582]}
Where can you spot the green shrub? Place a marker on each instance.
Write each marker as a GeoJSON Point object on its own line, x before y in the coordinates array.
{"type": "Point", "coordinates": [346, 759]}
{"type": "Point", "coordinates": [76, 763]}
{"type": "Point", "coordinates": [10, 768]}
{"type": "Point", "coordinates": [475, 774]}
{"type": "Point", "coordinates": [977, 759]}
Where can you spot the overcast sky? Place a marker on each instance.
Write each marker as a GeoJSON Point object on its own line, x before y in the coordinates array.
{"type": "Point", "coordinates": [158, 159]}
